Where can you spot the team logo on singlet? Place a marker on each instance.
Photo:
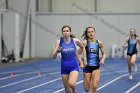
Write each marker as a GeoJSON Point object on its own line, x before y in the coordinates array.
{"type": "Point", "coordinates": [68, 49]}
{"type": "Point", "coordinates": [92, 50]}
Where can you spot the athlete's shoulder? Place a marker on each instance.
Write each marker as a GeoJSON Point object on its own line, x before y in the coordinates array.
{"type": "Point", "coordinates": [127, 38]}
{"type": "Point", "coordinates": [137, 38]}
{"type": "Point", "coordinates": [58, 41]}
{"type": "Point", "coordinates": [76, 40]}
{"type": "Point", "coordinates": [99, 41]}
{"type": "Point", "coordinates": [84, 42]}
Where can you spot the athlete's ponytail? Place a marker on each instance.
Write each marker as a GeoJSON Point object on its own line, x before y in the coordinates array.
{"type": "Point", "coordinates": [72, 35]}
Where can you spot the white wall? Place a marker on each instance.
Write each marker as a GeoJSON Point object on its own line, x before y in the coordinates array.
{"type": "Point", "coordinates": [119, 6]}
{"type": "Point", "coordinates": [102, 6]}
{"type": "Point", "coordinates": [66, 6]}
{"type": "Point", "coordinates": [30, 36]}
{"type": "Point", "coordinates": [23, 8]}
{"type": "Point", "coordinates": [2, 5]}
{"type": "Point", "coordinates": [111, 29]}
{"type": "Point", "coordinates": [11, 33]}
{"type": "Point", "coordinates": [45, 5]}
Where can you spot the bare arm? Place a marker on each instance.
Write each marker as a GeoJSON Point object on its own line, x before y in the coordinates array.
{"type": "Point", "coordinates": [126, 43]}
{"type": "Point", "coordinates": [139, 42]}
{"type": "Point", "coordinates": [80, 50]}
{"type": "Point", "coordinates": [103, 52]}
{"type": "Point", "coordinates": [55, 50]}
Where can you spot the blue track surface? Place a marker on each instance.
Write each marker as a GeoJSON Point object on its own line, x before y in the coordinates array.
{"type": "Point", "coordinates": [114, 78]}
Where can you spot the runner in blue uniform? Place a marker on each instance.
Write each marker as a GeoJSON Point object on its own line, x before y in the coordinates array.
{"type": "Point", "coordinates": [131, 45]}
{"type": "Point", "coordinates": [69, 63]}
{"type": "Point", "coordinates": [91, 73]}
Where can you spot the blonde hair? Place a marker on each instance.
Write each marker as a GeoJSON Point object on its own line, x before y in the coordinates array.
{"type": "Point", "coordinates": [133, 29]}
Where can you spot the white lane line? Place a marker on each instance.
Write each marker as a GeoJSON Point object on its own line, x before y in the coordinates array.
{"type": "Point", "coordinates": [26, 80]}
{"type": "Point", "coordinates": [45, 71]}
{"type": "Point", "coordinates": [21, 71]}
{"type": "Point", "coordinates": [12, 71]}
{"type": "Point", "coordinates": [64, 88]}
{"type": "Point", "coordinates": [33, 78]}
{"type": "Point", "coordinates": [133, 88]}
{"type": "Point", "coordinates": [18, 82]}
{"type": "Point", "coordinates": [99, 87]}
{"type": "Point", "coordinates": [39, 85]}
{"type": "Point", "coordinates": [112, 81]}
{"type": "Point", "coordinates": [19, 75]}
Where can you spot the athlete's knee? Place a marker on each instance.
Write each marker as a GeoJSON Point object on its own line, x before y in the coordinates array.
{"type": "Point", "coordinates": [94, 88]}
{"type": "Point", "coordinates": [87, 88]}
{"type": "Point", "coordinates": [72, 84]}
{"type": "Point", "coordinates": [67, 90]}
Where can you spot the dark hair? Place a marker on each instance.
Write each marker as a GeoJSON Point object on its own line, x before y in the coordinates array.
{"type": "Point", "coordinates": [85, 33]}
{"type": "Point", "coordinates": [67, 27]}
{"type": "Point", "coordinates": [71, 35]}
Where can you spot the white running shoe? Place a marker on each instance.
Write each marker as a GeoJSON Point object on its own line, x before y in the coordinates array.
{"type": "Point", "coordinates": [130, 77]}
{"type": "Point", "coordinates": [135, 68]}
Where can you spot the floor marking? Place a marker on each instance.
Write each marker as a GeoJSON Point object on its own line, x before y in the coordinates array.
{"type": "Point", "coordinates": [25, 80]}
{"type": "Point", "coordinates": [22, 75]}
{"type": "Point", "coordinates": [112, 81]}
{"type": "Point", "coordinates": [64, 88]}
{"type": "Point", "coordinates": [39, 85]}
{"type": "Point", "coordinates": [133, 88]}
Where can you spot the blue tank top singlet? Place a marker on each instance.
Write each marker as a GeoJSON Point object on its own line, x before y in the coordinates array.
{"type": "Point", "coordinates": [92, 50]}
{"type": "Point", "coordinates": [68, 54]}
{"type": "Point", "coordinates": [132, 46]}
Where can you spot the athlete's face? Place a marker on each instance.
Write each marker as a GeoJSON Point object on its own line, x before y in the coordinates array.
{"type": "Point", "coordinates": [132, 32]}
{"type": "Point", "coordinates": [91, 33]}
{"type": "Point", "coordinates": [66, 32]}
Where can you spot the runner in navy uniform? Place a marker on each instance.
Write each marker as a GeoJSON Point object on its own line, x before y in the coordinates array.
{"type": "Point", "coordinates": [131, 45]}
{"type": "Point", "coordinates": [91, 73]}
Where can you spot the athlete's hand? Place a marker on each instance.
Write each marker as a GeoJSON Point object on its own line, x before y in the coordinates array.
{"type": "Point", "coordinates": [139, 50]}
{"type": "Point", "coordinates": [102, 62]}
{"type": "Point", "coordinates": [124, 46]}
{"type": "Point", "coordinates": [81, 65]}
{"type": "Point", "coordinates": [58, 49]}
{"type": "Point", "coordinates": [85, 62]}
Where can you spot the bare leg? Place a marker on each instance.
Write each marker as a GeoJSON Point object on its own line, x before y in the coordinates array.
{"type": "Point", "coordinates": [87, 79]}
{"type": "Point", "coordinates": [65, 83]}
{"type": "Point", "coordinates": [133, 61]}
{"type": "Point", "coordinates": [95, 80]}
{"type": "Point", "coordinates": [129, 66]}
{"type": "Point", "coordinates": [73, 76]}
